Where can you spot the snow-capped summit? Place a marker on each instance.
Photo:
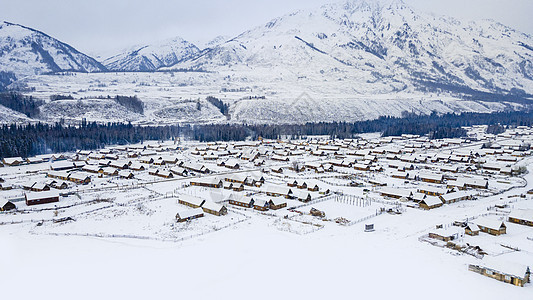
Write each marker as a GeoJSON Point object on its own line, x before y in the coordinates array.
{"type": "Point", "coordinates": [151, 57]}
{"type": "Point", "coordinates": [25, 51]}
{"type": "Point", "coordinates": [380, 47]}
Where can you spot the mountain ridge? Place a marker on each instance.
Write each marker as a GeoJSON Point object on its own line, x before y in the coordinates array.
{"type": "Point", "coordinates": [25, 51]}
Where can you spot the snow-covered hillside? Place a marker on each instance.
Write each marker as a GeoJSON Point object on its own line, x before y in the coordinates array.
{"type": "Point", "coordinates": [152, 57]}
{"type": "Point", "coordinates": [381, 47]}
{"type": "Point", "coordinates": [25, 51]}
{"type": "Point", "coordinates": [350, 61]}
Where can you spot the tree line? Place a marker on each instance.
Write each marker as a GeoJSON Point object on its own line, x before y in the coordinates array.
{"type": "Point", "coordinates": [33, 139]}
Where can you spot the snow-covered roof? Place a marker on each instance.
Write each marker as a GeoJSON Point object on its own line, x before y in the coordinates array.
{"type": "Point", "coordinates": [432, 200]}
{"type": "Point", "coordinates": [395, 191]}
{"type": "Point", "coordinates": [190, 213]}
{"type": "Point", "coordinates": [489, 222]}
{"type": "Point", "coordinates": [472, 226]}
{"type": "Point", "coordinates": [212, 206]}
{"type": "Point", "coordinates": [506, 267]}
{"type": "Point", "coordinates": [522, 214]}
{"type": "Point", "coordinates": [41, 195]}
{"type": "Point", "coordinates": [191, 199]}
{"type": "Point", "coordinates": [457, 195]}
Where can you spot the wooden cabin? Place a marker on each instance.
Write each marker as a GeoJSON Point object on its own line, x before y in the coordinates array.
{"type": "Point", "coordinates": [179, 171]}
{"type": "Point", "coordinates": [491, 226]}
{"type": "Point", "coordinates": [79, 178]}
{"type": "Point", "coordinates": [456, 196]}
{"type": "Point", "coordinates": [34, 198]}
{"type": "Point", "coordinates": [211, 182]}
{"type": "Point", "coordinates": [12, 161]}
{"type": "Point", "coordinates": [190, 214]}
{"type": "Point", "coordinates": [432, 178]}
{"type": "Point", "coordinates": [238, 187]}
{"type": "Point", "coordinates": [395, 193]}
{"type": "Point", "coordinates": [242, 201]}
{"type": "Point", "coordinates": [109, 171]}
{"type": "Point", "coordinates": [191, 201]}
{"type": "Point", "coordinates": [472, 229]}
{"type": "Point", "coordinates": [6, 205]}
{"type": "Point", "coordinates": [430, 202]}
{"type": "Point", "coordinates": [261, 204]}
{"type": "Point", "coordinates": [432, 191]}
{"type": "Point", "coordinates": [126, 174]}
{"type": "Point", "coordinates": [444, 235]}
{"type": "Point", "coordinates": [507, 272]}
{"type": "Point", "coordinates": [214, 208]}
{"type": "Point", "coordinates": [277, 203]}
{"type": "Point", "coordinates": [522, 217]}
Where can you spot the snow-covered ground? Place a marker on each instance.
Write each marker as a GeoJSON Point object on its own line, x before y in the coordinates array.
{"type": "Point", "coordinates": [123, 241]}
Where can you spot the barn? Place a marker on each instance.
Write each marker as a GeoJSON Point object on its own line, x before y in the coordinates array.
{"type": "Point", "coordinates": [34, 198]}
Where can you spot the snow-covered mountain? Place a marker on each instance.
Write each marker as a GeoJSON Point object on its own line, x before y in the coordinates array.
{"type": "Point", "coordinates": [25, 51]}
{"type": "Point", "coordinates": [380, 47]}
{"type": "Point", "coordinates": [152, 57]}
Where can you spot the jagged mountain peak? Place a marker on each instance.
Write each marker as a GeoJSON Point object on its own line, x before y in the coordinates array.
{"type": "Point", "coordinates": [384, 46]}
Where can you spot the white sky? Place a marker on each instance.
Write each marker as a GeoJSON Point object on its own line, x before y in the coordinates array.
{"type": "Point", "coordinates": [107, 26]}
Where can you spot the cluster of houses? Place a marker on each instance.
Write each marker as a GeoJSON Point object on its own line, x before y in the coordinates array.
{"type": "Point", "coordinates": [199, 207]}
{"type": "Point", "coordinates": [512, 273]}
{"type": "Point", "coordinates": [428, 197]}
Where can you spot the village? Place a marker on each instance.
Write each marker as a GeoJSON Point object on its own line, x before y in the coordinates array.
{"type": "Point", "coordinates": [467, 196]}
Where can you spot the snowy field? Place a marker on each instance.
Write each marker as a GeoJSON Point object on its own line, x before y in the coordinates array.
{"type": "Point", "coordinates": [118, 238]}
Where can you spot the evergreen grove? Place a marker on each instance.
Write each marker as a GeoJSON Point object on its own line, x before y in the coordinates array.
{"type": "Point", "coordinates": [33, 139]}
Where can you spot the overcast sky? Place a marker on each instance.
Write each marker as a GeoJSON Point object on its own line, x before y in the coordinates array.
{"type": "Point", "coordinates": [105, 26]}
